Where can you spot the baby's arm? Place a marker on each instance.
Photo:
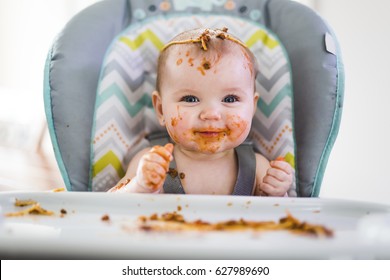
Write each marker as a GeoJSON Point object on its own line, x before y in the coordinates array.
{"type": "Point", "coordinates": [147, 171]}
{"type": "Point", "coordinates": [272, 178]}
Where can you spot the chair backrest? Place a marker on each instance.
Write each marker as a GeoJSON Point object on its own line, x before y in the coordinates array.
{"type": "Point", "coordinates": [105, 58]}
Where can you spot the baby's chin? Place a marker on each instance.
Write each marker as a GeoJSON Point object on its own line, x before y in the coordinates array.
{"type": "Point", "coordinates": [208, 148]}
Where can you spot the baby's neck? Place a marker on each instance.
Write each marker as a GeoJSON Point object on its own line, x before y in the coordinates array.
{"type": "Point", "coordinates": [199, 156]}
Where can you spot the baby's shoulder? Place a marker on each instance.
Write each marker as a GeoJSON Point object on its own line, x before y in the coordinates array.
{"type": "Point", "coordinates": [262, 160]}
{"type": "Point", "coordinates": [262, 165]}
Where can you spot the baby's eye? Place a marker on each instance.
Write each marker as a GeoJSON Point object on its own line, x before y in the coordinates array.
{"type": "Point", "coordinates": [189, 99]}
{"type": "Point", "coordinates": [230, 99]}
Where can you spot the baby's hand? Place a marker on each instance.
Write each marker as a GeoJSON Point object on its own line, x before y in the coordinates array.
{"type": "Point", "coordinates": [278, 179]}
{"type": "Point", "coordinates": [153, 167]}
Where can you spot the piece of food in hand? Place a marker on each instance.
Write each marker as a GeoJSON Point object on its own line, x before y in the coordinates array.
{"type": "Point", "coordinates": [280, 158]}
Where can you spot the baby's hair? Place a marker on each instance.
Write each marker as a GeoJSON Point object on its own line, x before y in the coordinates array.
{"type": "Point", "coordinates": [207, 39]}
{"type": "Point", "coordinates": [203, 38]}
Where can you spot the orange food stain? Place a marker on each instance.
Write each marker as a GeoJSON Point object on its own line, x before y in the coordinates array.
{"type": "Point", "coordinates": [211, 144]}
{"type": "Point", "coordinates": [237, 125]}
{"type": "Point", "coordinates": [201, 70]}
{"type": "Point", "coordinates": [280, 158]}
{"type": "Point", "coordinates": [204, 144]}
{"type": "Point", "coordinates": [174, 121]}
{"type": "Point", "coordinates": [191, 61]}
{"type": "Point", "coordinates": [188, 53]}
{"type": "Point", "coordinates": [206, 65]}
{"type": "Point", "coordinates": [210, 147]}
{"type": "Point", "coordinates": [179, 61]}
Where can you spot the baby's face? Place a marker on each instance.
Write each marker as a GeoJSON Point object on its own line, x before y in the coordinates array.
{"type": "Point", "coordinates": [207, 99]}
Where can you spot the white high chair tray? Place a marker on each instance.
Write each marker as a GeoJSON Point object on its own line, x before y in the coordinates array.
{"type": "Point", "coordinates": [361, 230]}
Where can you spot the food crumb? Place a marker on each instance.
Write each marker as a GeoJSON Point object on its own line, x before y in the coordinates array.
{"type": "Point", "coordinates": [173, 172]}
{"type": "Point", "coordinates": [154, 217]}
{"type": "Point", "coordinates": [206, 65]}
{"type": "Point", "coordinates": [179, 208]}
{"type": "Point", "coordinates": [22, 203]}
{"type": "Point", "coordinates": [63, 211]}
{"type": "Point", "coordinates": [105, 218]}
{"type": "Point", "coordinates": [182, 175]}
{"type": "Point", "coordinates": [230, 204]}
{"type": "Point", "coordinates": [61, 189]}
{"type": "Point", "coordinates": [143, 219]}
{"type": "Point", "coordinates": [146, 228]}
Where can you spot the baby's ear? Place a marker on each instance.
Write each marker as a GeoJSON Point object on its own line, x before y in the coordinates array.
{"type": "Point", "coordinates": [157, 104]}
{"type": "Point", "coordinates": [256, 97]}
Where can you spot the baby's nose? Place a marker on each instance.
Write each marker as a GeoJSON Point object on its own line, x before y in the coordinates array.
{"type": "Point", "coordinates": [210, 113]}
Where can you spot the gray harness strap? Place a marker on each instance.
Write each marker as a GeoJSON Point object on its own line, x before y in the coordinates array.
{"type": "Point", "coordinates": [172, 182]}
{"type": "Point", "coordinates": [246, 170]}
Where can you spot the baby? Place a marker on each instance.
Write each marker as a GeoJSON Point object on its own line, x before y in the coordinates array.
{"type": "Point", "coordinates": [206, 98]}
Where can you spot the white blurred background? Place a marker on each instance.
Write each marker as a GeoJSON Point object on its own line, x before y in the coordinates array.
{"type": "Point", "coordinates": [358, 167]}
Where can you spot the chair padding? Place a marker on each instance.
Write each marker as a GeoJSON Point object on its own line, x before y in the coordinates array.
{"type": "Point", "coordinates": [74, 63]}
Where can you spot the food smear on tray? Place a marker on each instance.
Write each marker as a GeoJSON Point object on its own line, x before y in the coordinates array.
{"type": "Point", "coordinates": [25, 202]}
{"type": "Point", "coordinates": [173, 221]}
{"type": "Point", "coordinates": [34, 209]}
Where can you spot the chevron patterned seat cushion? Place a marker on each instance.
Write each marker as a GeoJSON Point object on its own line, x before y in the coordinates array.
{"type": "Point", "coordinates": [124, 114]}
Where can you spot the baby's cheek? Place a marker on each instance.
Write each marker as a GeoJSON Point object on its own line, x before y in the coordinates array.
{"type": "Point", "coordinates": [178, 128]}
{"type": "Point", "coordinates": [238, 128]}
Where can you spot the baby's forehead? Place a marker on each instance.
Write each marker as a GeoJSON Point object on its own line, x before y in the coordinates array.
{"type": "Point", "coordinates": [195, 51]}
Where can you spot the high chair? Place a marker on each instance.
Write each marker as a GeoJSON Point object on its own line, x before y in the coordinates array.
{"type": "Point", "coordinates": [101, 71]}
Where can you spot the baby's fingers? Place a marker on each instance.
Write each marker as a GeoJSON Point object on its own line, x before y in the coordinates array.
{"type": "Point", "coordinates": [169, 147]}
{"type": "Point", "coordinates": [165, 152]}
{"type": "Point", "coordinates": [279, 174]}
{"type": "Point", "coordinates": [282, 165]}
{"type": "Point", "coordinates": [153, 167]}
{"type": "Point", "coordinates": [161, 155]}
{"type": "Point", "coordinates": [266, 189]}
{"type": "Point", "coordinates": [156, 158]}
{"type": "Point", "coordinates": [151, 175]}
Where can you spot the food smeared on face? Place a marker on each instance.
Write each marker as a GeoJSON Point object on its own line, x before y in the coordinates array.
{"type": "Point", "coordinates": [175, 120]}
{"type": "Point", "coordinates": [210, 138]}
{"type": "Point", "coordinates": [201, 70]}
{"type": "Point", "coordinates": [236, 126]}
{"type": "Point", "coordinates": [206, 65]}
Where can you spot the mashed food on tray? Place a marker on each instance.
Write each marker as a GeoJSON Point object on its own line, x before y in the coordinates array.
{"type": "Point", "coordinates": [35, 209]}
{"type": "Point", "coordinates": [173, 221]}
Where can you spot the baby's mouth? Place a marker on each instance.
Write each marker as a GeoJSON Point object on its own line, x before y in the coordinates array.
{"type": "Point", "coordinates": [211, 133]}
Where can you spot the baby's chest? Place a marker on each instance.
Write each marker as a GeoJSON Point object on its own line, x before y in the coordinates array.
{"type": "Point", "coordinates": [208, 181]}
